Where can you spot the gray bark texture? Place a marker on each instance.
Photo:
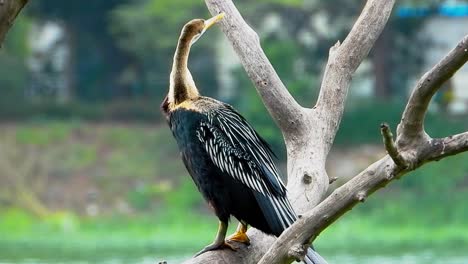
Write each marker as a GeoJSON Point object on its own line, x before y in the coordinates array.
{"type": "Point", "coordinates": [309, 132]}
{"type": "Point", "coordinates": [9, 9]}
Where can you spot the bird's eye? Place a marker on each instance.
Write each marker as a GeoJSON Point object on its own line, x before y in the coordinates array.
{"type": "Point", "coordinates": [200, 31]}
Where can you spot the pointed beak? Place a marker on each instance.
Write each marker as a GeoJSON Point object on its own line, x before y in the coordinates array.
{"type": "Point", "coordinates": [210, 22]}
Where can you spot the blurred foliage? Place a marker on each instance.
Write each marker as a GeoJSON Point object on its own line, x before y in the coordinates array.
{"type": "Point", "coordinates": [389, 222]}
{"type": "Point", "coordinates": [159, 196]}
{"type": "Point", "coordinates": [13, 56]}
{"type": "Point", "coordinates": [361, 122]}
{"type": "Point", "coordinates": [125, 167]}
{"type": "Point", "coordinates": [96, 60]}
{"type": "Point", "coordinates": [123, 49]}
{"type": "Point", "coordinates": [132, 168]}
{"type": "Point", "coordinates": [130, 110]}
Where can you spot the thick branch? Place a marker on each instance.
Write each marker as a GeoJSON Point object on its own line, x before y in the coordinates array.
{"type": "Point", "coordinates": [9, 9]}
{"type": "Point", "coordinates": [411, 125]}
{"type": "Point", "coordinates": [343, 61]}
{"type": "Point", "coordinates": [448, 146]}
{"type": "Point", "coordinates": [286, 112]}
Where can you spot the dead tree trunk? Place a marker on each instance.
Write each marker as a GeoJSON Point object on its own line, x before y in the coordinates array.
{"type": "Point", "coordinates": [9, 9]}
{"type": "Point", "coordinates": [309, 132]}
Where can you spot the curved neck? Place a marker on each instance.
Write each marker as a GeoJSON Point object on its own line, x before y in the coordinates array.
{"type": "Point", "coordinates": [182, 87]}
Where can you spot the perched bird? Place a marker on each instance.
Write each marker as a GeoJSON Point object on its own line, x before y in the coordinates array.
{"type": "Point", "coordinates": [231, 165]}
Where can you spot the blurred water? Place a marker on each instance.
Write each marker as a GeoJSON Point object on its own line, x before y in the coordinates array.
{"type": "Point", "coordinates": [407, 258]}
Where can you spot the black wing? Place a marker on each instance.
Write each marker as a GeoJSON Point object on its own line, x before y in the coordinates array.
{"type": "Point", "coordinates": [236, 149]}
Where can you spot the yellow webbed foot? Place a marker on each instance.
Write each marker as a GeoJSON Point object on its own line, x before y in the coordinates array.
{"type": "Point", "coordinates": [240, 235]}
{"type": "Point", "coordinates": [216, 246]}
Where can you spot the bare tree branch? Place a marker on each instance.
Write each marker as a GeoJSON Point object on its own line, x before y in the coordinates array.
{"type": "Point", "coordinates": [343, 61]}
{"type": "Point", "coordinates": [448, 146]}
{"type": "Point", "coordinates": [391, 147]}
{"type": "Point", "coordinates": [9, 9]}
{"type": "Point", "coordinates": [379, 174]}
{"type": "Point", "coordinates": [411, 124]}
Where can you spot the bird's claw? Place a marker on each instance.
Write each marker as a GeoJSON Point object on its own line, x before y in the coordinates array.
{"type": "Point", "coordinates": [216, 246]}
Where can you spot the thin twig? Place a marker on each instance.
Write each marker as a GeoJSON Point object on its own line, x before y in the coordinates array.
{"type": "Point", "coordinates": [391, 147]}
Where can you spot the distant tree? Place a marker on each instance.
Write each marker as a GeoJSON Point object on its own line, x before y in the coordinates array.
{"type": "Point", "coordinates": [96, 61]}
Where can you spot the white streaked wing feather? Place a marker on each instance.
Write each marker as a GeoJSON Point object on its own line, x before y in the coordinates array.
{"type": "Point", "coordinates": [237, 150]}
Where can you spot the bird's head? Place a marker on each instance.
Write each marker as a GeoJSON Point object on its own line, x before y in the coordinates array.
{"type": "Point", "coordinates": [195, 28]}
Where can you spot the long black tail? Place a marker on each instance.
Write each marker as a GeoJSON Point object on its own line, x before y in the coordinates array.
{"type": "Point", "coordinates": [312, 257]}
{"type": "Point", "coordinates": [279, 215]}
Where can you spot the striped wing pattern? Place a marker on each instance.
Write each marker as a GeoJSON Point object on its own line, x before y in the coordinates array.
{"type": "Point", "coordinates": [236, 149]}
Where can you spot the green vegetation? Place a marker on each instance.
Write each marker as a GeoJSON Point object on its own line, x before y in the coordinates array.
{"type": "Point", "coordinates": [149, 206]}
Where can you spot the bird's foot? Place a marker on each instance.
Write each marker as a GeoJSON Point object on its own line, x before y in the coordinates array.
{"type": "Point", "coordinates": [215, 246]}
{"type": "Point", "coordinates": [240, 237]}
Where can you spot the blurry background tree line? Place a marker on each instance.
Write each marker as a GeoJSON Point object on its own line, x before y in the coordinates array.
{"type": "Point", "coordinates": [117, 50]}
{"type": "Point", "coordinates": [81, 135]}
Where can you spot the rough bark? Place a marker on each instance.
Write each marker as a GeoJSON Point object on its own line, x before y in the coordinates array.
{"type": "Point", "coordinates": [309, 132]}
{"type": "Point", "coordinates": [9, 9]}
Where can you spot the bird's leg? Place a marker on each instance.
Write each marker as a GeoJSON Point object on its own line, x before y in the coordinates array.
{"type": "Point", "coordinates": [219, 242]}
{"type": "Point", "coordinates": [240, 235]}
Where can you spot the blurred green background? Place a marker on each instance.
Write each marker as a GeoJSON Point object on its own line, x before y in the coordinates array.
{"type": "Point", "coordinates": [89, 172]}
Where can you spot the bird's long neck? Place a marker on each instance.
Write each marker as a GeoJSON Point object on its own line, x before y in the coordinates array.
{"type": "Point", "coordinates": [182, 87]}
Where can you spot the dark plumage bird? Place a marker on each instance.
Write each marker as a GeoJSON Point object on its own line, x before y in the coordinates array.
{"type": "Point", "coordinates": [231, 165]}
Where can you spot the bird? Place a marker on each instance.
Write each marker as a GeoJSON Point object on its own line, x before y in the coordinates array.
{"type": "Point", "coordinates": [230, 163]}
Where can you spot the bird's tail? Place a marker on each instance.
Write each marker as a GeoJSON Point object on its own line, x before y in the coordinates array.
{"type": "Point", "coordinates": [312, 257]}
{"type": "Point", "coordinates": [280, 215]}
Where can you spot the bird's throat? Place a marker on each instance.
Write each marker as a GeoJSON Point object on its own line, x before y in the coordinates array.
{"type": "Point", "coordinates": [182, 87]}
